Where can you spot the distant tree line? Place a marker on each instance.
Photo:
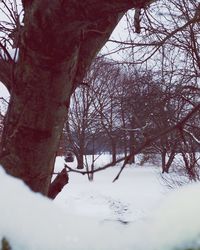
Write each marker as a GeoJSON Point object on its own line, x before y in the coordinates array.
{"type": "Point", "coordinates": [124, 107]}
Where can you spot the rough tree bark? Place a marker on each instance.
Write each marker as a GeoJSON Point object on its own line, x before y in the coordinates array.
{"type": "Point", "coordinates": [57, 44]}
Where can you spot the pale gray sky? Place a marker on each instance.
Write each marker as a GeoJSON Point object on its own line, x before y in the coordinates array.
{"type": "Point", "coordinates": [3, 91]}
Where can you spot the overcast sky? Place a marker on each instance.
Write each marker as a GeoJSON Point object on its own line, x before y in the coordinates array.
{"type": "Point", "coordinates": [3, 91]}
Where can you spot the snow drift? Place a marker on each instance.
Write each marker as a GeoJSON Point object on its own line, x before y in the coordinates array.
{"type": "Point", "coordinates": [32, 222]}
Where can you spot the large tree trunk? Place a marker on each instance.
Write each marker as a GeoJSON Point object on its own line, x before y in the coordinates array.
{"type": "Point", "coordinates": [114, 151]}
{"type": "Point", "coordinates": [35, 119]}
{"type": "Point", "coordinates": [80, 161]}
{"type": "Point", "coordinates": [163, 158]}
{"type": "Point", "coordinates": [57, 44]}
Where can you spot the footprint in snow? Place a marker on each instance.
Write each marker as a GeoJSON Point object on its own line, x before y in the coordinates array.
{"type": "Point", "coordinates": [120, 210]}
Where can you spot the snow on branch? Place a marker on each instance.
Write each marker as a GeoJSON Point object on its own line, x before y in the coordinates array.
{"type": "Point", "coordinates": [192, 135]}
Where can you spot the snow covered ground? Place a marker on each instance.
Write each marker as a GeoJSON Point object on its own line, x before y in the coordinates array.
{"type": "Point", "coordinates": [132, 197]}
{"type": "Point", "coordinates": [134, 213]}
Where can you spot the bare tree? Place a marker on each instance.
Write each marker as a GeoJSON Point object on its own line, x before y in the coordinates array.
{"type": "Point", "coordinates": [81, 123]}
{"type": "Point", "coordinates": [45, 75]}
{"type": "Point", "coordinates": [105, 104]}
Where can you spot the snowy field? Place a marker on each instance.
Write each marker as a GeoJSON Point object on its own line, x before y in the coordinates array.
{"type": "Point", "coordinates": [137, 192]}
{"type": "Point", "coordinates": [137, 212]}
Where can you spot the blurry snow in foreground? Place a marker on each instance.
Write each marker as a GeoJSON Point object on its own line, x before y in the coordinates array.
{"type": "Point", "coordinates": [176, 222]}
{"type": "Point", "coordinates": [32, 222]}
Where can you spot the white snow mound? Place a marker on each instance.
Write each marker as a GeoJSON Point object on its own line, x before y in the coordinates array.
{"type": "Point", "coordinates": [32, 222]}
{"type": "Point", "coordinates": [176, 223]}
